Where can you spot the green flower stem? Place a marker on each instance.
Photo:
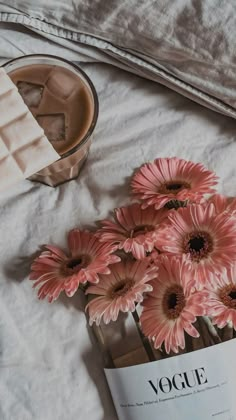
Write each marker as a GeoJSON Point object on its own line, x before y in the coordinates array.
{"type": "Point", "coordinates": [98, 334]}
{"type": "Point", "coordinates": [188, 343]}
{"type": "Point", "coordinates": [103, 346]}
{"type": "Point", "coordinates": [211, 329]}
{"type": "Point", "coordinates": [227, 333]}
{"type": "Point", "coordinates": [145, 341]}
{"type": "Point", "coordinates": [83, 287]}
{"type": "Point", "coordinates": [204, 332]}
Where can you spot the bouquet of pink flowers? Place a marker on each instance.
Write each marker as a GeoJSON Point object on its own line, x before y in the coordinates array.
{"type": "Point", "coordinates": [169, 258]}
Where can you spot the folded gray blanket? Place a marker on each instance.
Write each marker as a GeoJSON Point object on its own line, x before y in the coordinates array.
{"type": "Point", "coordinates": [188, 45]}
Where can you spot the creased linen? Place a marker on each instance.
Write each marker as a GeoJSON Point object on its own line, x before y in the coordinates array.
{"type": "Point", "coordinates": [50, 366]}
{"type": "Point", "coordinates": [188, 45]}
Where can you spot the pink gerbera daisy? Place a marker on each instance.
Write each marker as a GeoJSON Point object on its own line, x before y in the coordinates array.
{"type": "Point", "coordinates": [221, 299]}
{"type": "Point", "coordinates": [55, 271]}
{"type": "Point", "coordinates": [172, 179]}
{"type": "Point", "coordinates": [223, 204]}
{"type": "Point", "coordinates": [172, 306]}
{"type": "Point", "coordinates": [133, 229]}
{"type": "Point", "coordinates": [120, 290]}
{"type": "Point", "coordinates": [206, 238]}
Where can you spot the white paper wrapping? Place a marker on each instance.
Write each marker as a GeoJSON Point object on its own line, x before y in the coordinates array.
{"type": "Point", "coordinates": [198, 385]}
{"type": "Point", "coordinates": [24, 149]}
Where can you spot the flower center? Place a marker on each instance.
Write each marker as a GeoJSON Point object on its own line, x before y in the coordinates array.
{"type": "Point", "coordinates": [121, 288]}
{"type": "Point", "coordinates": [175, 204]}
{"type": "Point", "coordinates": [141, 229]}
{"type": "Point", "coordinates": [198, 244]}
{"type": "Point", "coordinates": [74, 265]}
{"type": "Point", "coordinates": [173, 301]}
{"type": "Point", "coordinates": [228, 296]}
{"type": "Point", "coordinates": [232, 295]}
{"type": "Point", "coordinates": [173, 187]}
{"type": "Point", "coordinates": [176, 186]}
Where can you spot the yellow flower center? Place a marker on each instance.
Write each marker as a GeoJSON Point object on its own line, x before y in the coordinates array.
{"type": "Point", "coordinates": [227, 296]}
{"type": "Point", "coordinates": [121, 288]}
{"type": "Point", "coordinates": [173, 301]}
{"type": "Point", "coordinates": [198, 244]}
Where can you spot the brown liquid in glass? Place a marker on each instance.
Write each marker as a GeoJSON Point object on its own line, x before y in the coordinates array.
{"type": "Point", "coordinates": [59, 100]}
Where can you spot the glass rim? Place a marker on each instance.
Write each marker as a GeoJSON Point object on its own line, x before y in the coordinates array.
{"type": "Point", "coordinates": [91, 86]}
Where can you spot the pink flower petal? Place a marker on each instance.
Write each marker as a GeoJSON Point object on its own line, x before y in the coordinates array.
{"type": "Point", "coordinates": [119, 290]}
{"type": "Point", "coordinates": [174, 286]}
{"type": "Point", "coordinates": [171, 179]}
{"type": "Point", "coordinates": [133, 229]}
{"type": "Point", "coordinates": [57, 272]}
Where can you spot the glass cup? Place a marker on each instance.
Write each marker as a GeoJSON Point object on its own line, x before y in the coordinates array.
{"type": "Point", "coordinates": [71, 160]}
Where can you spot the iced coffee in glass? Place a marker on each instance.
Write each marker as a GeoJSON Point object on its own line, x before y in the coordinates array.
{"type": "Point", "coordinates": [63, 100]}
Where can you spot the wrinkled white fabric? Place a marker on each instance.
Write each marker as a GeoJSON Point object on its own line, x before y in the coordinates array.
{"type": "Point", "coordinates": [50, 366]}
{"type": "Point", "coordinates": [188, 45]}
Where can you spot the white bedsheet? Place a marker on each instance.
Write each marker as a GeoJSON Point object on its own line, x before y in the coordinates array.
{"type": "Point", "coordinates": [50, 368]}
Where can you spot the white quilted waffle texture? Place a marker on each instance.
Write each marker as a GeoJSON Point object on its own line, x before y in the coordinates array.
{"type": "Point", "coordinates": [24, 149]}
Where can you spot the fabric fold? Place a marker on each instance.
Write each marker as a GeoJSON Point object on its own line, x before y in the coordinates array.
{"type": "Point", "coordinates": [186, 46]}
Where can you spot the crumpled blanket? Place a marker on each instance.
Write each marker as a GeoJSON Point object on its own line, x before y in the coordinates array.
{"type": "Point", "coordinates": [50, 366]}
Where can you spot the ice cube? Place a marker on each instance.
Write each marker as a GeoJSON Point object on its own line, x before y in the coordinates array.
{"type": "Point", "coordinates": [62, 83]}
{"type": "Point", "coordinates": [31, 93]}
{"type": "Point", "coordinates": [53, 125]}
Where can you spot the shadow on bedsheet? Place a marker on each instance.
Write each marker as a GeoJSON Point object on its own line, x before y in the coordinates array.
{"type": "Point", "coordinates": [92, 358]}
{"type": "Point", "coordinates": [20, 269]}
{"type": "Point", "coordinates": [94, 365]}
{"type": "Point", "coordinates": [226, 125]}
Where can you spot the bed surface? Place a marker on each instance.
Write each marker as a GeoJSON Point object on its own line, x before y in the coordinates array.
{"type": "Point", "coordinates": [50, 367]}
